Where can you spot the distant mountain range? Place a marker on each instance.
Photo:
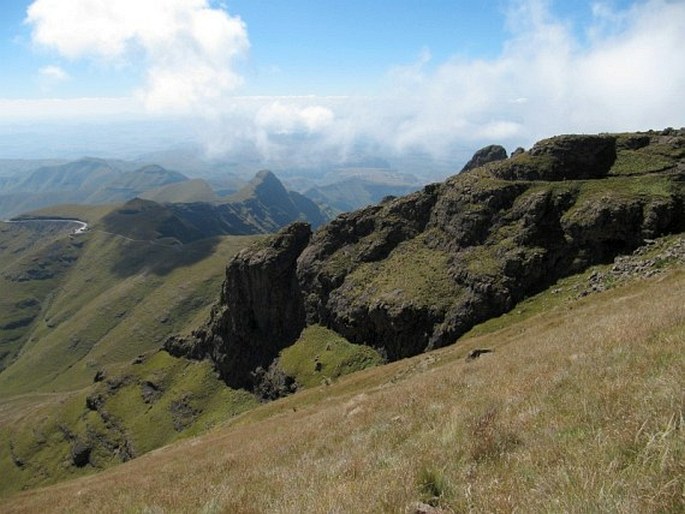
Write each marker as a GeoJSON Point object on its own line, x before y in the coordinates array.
{"type": "Point", "coordinates": [86, 181]}
{"type": "Point", "coordinates": [262, 206]}
{"type": "Point", "coordinates": [29, 185]}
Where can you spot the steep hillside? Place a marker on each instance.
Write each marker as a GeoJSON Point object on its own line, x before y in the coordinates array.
{"type": "Point", "coordinates": [417, 272]}
{"type": "Point", "coordinates": [266, 203]}
{"type": "Point", "coordinates": [86, 181]}
{"type": "Point", "coordinates": [576, 408]}
{"type": "Point", "coordinates": [34, 257]}
{"type": "Point", "coordinates": [74, 303]}
{"type": "Point", "coordinates": [390, 281]}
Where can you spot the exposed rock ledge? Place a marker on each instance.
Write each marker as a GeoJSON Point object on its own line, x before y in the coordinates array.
{"type": "Point", "coordinates": [416, 272]}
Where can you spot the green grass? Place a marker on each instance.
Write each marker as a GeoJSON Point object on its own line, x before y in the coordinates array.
{"type": "Point", "coordinates": [123, 418]}
{"type": "Point", "coordinates": [637, 162]}
{"type": "Point", "coordinates": [34, 258]}
{"type": "Point", "coordinates": [594, 194]}
{"type": "Point", "coordinates": [578, 409]}
{"type": "Point", "coordinates": [96, 316]}
{"type": "Point", "coordinates": [320, 355]}
{"type": "Point", "coordinates": [413, 273]}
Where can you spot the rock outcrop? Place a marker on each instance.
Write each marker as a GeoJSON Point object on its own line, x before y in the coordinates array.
{"type": "Point", "coordinates": [260, 312]}
{"type": "Point", "coordinates": [486, 155]}
{"type": "Point", "coordinates": [416, 272]}
{"type": "Point", "coordinates": [574, 157]}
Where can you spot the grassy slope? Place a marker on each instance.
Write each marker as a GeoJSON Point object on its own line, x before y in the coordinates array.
{"type": "Point", "coordinates": [25, 247]}
{"type": "Point", "coordinates": [579, 408]}
{"type": "Point", "coordinates": [120, 298]}
{"type": "Point", "coordinates": [320, 355]}
{"type": "Point", "coordinates": [40, 430]}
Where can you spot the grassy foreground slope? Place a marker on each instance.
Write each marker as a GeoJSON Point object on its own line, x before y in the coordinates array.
{"type": "Point", "coordinates": [578, 408]}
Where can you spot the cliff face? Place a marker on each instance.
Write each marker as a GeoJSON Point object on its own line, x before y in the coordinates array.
{"type": "Point", "coordinates": [260, 310]}
{"type": "Point", "coordinates": [417, 272]}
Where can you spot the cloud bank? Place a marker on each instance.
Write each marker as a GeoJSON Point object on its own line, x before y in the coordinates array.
{"type": "Point", "coordinates": [187, 48]}
{"type": "Point", "coordinates": [622, 70]}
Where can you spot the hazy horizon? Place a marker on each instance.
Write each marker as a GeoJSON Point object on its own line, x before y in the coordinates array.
{"type": "Point", "coordinates": [297, 85]}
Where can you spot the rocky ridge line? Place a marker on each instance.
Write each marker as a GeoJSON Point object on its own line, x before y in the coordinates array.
{"type": "Point", "coordinates": [416, 272]}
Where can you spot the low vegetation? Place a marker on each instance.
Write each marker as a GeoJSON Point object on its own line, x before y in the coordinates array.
{"type": "Point", "coordinates": [119, 298]}
{"type": "Point", "coordinates": [320, 356]}
{"type": "Point", "coordinates": [578, 408]}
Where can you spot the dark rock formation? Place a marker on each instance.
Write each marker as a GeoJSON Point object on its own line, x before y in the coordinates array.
{"type": "Point", "coordinates": [416, 272]}
{"type": "Point", "coordinates": [485, 155]}
{"type": "Point", "coordinates": [260, 312]}
{"type": "Point", "coordinates": [562, 158]}
{"type": "Point", "coordinates": [80, 453]}
{"type": "Point", "coordinates": [150, 391]}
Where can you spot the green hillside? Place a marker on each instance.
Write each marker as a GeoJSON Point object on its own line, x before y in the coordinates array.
{"type": "Point", "coordinates": [579, 401]}
{"type": "Point", "coordinates": [82, 302]}
{"type": "Point", "coordinates": [509, 338]}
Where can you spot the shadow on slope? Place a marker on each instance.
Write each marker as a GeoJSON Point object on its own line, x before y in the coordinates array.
{"type": "Point", "coordinates": [157, 239]}
{"type": "Point", "coordinates": [161, 258]}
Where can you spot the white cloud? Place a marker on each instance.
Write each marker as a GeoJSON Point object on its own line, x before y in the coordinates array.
{"type": "Point", "coordinates": [72, 109]}
{"type": "Point", "coordinates": [53, 73]}
{"type": "Point", "coordinates": [622, 71]}
{"type": "Point", "coordinates": [627, 75]}
{"type": "Point", "coordinates": [189, 48]}
{"type": "Point", "coordinates": [280, 118]}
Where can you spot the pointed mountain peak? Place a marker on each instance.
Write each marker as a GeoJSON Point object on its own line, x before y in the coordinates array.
{"type": "Point", "coordinates": [265, 186]}
{"type": "Point", "coordinates": [263, 176]}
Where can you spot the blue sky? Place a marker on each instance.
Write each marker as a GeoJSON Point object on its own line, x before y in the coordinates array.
{"type": "Point", "coordinates": [404, 75]}
{"type": "Point", "coordinates": [296, 47]}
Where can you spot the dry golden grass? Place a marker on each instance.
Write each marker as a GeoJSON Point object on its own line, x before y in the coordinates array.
{"type": "Point", "coordinates": [578, 410]}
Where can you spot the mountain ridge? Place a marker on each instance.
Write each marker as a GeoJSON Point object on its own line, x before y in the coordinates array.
{"type": "Point", "coordinates": [416, 272]}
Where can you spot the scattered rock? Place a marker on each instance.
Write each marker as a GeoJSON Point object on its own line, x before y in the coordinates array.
{"type": "Point", "coordinates": [117, 382]}
{"type": "Point", "coordinates": [150, 391]}
{"type": "Point", "coordinates": [424, 508]}
{"type": "Point", "coordinates": [138, 360]}
{"type": "Point", "coordinates": [272, 383]}
{"type": "Point", "coordinates": [95, 401]}
{"type": "Point", "coordinates": [477, 352]}
{"type": "Point", "coordinates": [80, 453]}
{"type": "Point", "coordinates": [636, 265]}
{"type": "Point", "coordinates": [183, 414]}
{"type": "Point", "coordinates": [100, 375]}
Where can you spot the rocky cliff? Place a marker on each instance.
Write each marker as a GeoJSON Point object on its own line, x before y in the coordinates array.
{"type": "Point", "coordinates": [416, 272]}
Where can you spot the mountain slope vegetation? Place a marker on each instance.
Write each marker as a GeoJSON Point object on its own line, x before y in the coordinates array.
{"type": "Point", "coordinates": [417, 272]}
{"type": "Point", "coordinates": [79, 292]}
{"type": "Point", "coordinates": [529, 238]}
{"type": "Point", "coordinates": [580, 401]}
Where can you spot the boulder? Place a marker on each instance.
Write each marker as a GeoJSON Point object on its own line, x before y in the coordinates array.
{"type": "Point", "coordinates": [491, 153]}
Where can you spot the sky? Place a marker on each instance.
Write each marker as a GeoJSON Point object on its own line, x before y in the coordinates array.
{"type": "Point", "coordinates": [304, 81]}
